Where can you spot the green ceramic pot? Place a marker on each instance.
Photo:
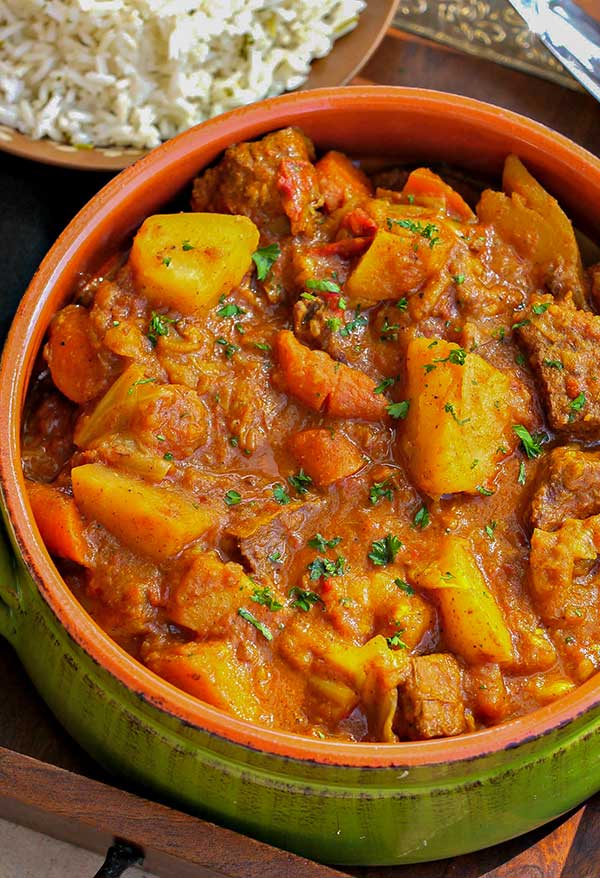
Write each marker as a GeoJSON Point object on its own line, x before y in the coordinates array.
{"type": "Point", "coordinates": [341, 803]}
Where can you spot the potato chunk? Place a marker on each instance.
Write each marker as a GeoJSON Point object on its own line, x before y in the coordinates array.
{"type": "Point", "coordinates": [209, 671]}
{"type": "Point", "coordinates": [535, 224]}
{"type": "Point", "coordinates": [472, 621]}
{"type": "Point", "coordinates": [459, 416]}
{"type": "Point", "coordinates": [187, 260]}
{"type": "Point", "coordinates": [151, 521]}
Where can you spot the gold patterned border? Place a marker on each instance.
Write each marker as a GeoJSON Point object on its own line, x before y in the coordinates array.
{"type": "Point", "coordinates": [490, 29]}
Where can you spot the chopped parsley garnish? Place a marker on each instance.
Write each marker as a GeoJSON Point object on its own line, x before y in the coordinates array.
{"type": "Point", "coordinates": [395, 641]}
{"type": "Point", "coordinates": [168, 456]}
{"type": "Point", "coordinates": [447, 576]}
{"type": "Point", "coordinates": [421, 518]}
{"type": "Point", "coordinates": [456, 356]}
{"type": "Point", "coordinates": [334, 324]}
{"type": "Point", "coordinates": [398, 409]}
{"type": "Point", "coordinates": [232, 498]}
{"type": "Point", "coordinates": [139, 382]}
{"type": "Point", "coordinates": [428, 231]}
{"type": "Point", "coordinates": [578, 403]}
{"type": "Point", "coordinates": [247, 615]}
{"type": "Point", "coordinates": [485, 492]}
{"type": "Point", "coordinates": [554, 364]}
{"type": "Point", "coordinates": [159, 325]}
{"type": "Point", "coordinates": [458, 279]}
{"type": "Point", "coordinates": [281, 495]}
{"type": "Point", "coordinates": [358, 322]}
{"type": "Point", "coordinates": [229, 309]}
{"type": "Point", "coordinates": [381, 491]}
{"type": "Point", "coordinates": [264, 597]}
{"type": "Point", "coordinates": [450, 409]}
{"type": "Point", "coordinates": [308, 297]}
{"type": "Point", "coordinates": [387, 382]}
{"type": "Point", "coordinates": [410, 198]}
{"type": "Point", "coordinates": [541, 307]}
{"type": "Point", "coordinates": [405, 586]}
{"type": "Point", "coordinates": [262, 345]}
{"type": "Point", "coordinates": [402, 304]}
{"type": "Point", "coordinates": [490, 528]}
{"type": "Point", "coordinates": [264, 258]}
{"type": "Point", "coordinates": [304, 599]}
{"type": "Point", "coordinates": [166, 260]}
{"type": "Point", "coordinates": [532, 445]}
{"type": "Point", "coordinates": [323, 286]}
{"type": "Point", "coordinates": [521, 478]}
{"type": "Point", "coordinates": [324, 567]}
{"type": "Point", "coordinates": [319, 543]}
{"type": "Point", "coordinates": [187, 246]}
{"type": "Point", "coordinates": [275, 557]}
{"type": "Point", "coordinates": [384, 551]}
{"type": "Point", "coordinates": [228, 349]}
{"type": "Point", "coordinates": [301, 482]}
{"type": "Point", "coordinates": [389, 330]}
{"type": "Point", "coordinates": [520, 324]}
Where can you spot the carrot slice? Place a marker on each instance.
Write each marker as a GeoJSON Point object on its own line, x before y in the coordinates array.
{"type": "Point", "coordinates": [326, 458]}
{"type": "Point", "coordinates": [424, 183]}
{"type": "Point", "coordinates": [325, 385]}
{"type": "Point", "coordinates": [341, 181]}
{"type": "Point", "coordinates": [59, 523]}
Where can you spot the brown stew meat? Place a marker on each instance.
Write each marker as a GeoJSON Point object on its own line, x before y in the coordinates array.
{"type": "Point", "coordinates": [319, 451]}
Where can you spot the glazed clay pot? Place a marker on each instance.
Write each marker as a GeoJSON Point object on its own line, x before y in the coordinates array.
{"type": "Point", "coordinates": [335, 802]}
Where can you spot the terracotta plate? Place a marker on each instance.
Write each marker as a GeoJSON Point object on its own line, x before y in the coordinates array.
{"type": "Point", "coordinates": [344, 61]}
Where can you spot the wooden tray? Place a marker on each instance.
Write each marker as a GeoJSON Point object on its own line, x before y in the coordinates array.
{"type": "Point", "coordinates": [48, 783]}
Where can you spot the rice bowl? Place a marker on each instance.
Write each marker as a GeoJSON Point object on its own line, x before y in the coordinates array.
{"type": "Point", "coordinates": [96, 73]}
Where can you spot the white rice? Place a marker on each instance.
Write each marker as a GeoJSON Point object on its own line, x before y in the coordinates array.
{"type": "Point", "coordinates": [136, 72]}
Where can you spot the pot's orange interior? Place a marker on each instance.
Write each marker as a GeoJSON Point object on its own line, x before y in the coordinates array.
{"type": "Point", "coordinates": [411, 125]}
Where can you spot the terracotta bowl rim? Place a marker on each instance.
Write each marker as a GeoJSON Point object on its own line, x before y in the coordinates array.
{"type": "Point", "coordinates": [84, 631]}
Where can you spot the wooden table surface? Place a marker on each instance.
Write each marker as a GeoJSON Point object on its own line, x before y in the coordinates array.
{"type": "Point", "coordinates": [35, 203]}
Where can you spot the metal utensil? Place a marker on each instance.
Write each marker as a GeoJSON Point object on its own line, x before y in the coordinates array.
{"type": "Point", "coordinates": [570, 34]}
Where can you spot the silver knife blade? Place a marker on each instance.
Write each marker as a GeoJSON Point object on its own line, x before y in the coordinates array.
{"type": "Point", "coordinates": [569, 33]}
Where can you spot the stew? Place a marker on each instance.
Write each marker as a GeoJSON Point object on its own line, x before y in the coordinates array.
{"type": "Point", "coordinates": [320, 451]}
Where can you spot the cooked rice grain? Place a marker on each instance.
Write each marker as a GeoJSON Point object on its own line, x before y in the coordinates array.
{"type": "Point", "coordinates": [136, 72]}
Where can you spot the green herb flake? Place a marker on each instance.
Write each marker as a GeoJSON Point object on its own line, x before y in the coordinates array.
{"type": "Point", "coordinates": [578, 403]}
{"type": "Point", "coordinates": [485, 492]}
{"type": "Point", "coordinates": [541, 307]}
{"type": "Point", "coordinates": [395, 641]}
{"type": "Point", "coordinates": [321, 544]}
{"type": "Point", "coordinates": [232, 498]}
{"type": "Point", "coordinates": [554, 364]}
{"type": "Point", "coordinates": [381, 491]}
{"type": "Point", "coordinates": [410, 198]}
{"type": "Point", "coordinates": [421, 518]}
{"type": "Point", "coordinates": [322, 286]}
{"type": "Point", "coordinates": [159, 325]}
{"type": "Point", "coordinates": [301, 482]}
{"type": "Point", "coordinates": [275, 557]}
{"type": "Point", "coordinates": [404, 586]}
{"type": "Point", "coordinates": [228, 349]}
{"type": "Point", "coordinates": [187, 246]}
{"type": "Point", "coordinates": [490, 528]}
{"type": "Point", "coordinates": [334, 324]}
{"type": "Point", "coordinates": [168, 456]}
{"type": "Point", "coordinates": [450, 409]}
{"type": "Point", "coordinates": [383, 385]}
{"type": "Point", "coordinates": [569, 639]}
{"type": "Point", "coordinates": [520, 324]}
{"type": "Point", "coordinates": [264, 597]}
{"type": "Point", "coordinates": [281, 495]}
{"type": "Point", "coordinates": [402, 304]}
{"type": "Point", "coordinates": [166, 260]}
{"type": "Point", "coordinates": [230, 309]}
{"type": "Point", "coordinates": [447, 576]}
{"type": "Point", "coordinates": [384, 551]}
{"type": "Point", "coordinates": [458, 279]}
{"type": "Point", "coordinates": [428, 231]}
{"type": "Point", "coordinates": [303, 599]}
{"type": "Point", "coordinates": [398, 409]}
{"type": "Point", "coordinates": [522, 477]}
{"type": "Point", "coordinates": [139, 382]}
{"type": "Point", "coordinates": [359, 321]}
{"type": "Point", "coordinates": [324, 567]}
{"type": "Point", "coordinates": [532, 445]}
{"type": "Point", "coordinates": [247, 615]}
{"type": "Point", "coordinates": [262, 345]}
{"type": "Point", "coordinates": [264, 258]}
{"type": "Point", "coordinates": [308, 297]}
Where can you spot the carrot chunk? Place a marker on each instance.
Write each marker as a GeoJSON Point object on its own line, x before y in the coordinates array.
{"type": "Point", "coordinates": [325, 458]}
{"type": "Point", "coordinates": [325, 385]}
{"type": "Point", "coordinates": [340, 180]}
{"type": "Point", "coordinates": [59, 523]}
{"type": "Point", "coordinates": [423, 183]}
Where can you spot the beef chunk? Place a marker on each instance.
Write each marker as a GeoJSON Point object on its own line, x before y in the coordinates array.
{"type": "Point", "coordinates": [563, 344]}
{"type": "Point", "coordinates": [272, 181]}
{"type": "Point", "coordinates": [567, 486]}
{"type": "Point", "coordinates": [431, 702]}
